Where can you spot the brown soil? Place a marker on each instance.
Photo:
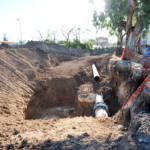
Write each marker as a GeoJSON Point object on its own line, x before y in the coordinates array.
{"type": "Point", "coordinates": [39, 94]}
{"type": "Point", "coordinates": [59, 49]}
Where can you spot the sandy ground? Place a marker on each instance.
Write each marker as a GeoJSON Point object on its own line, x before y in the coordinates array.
{"type": "Point", "coordinates": [74, 133]}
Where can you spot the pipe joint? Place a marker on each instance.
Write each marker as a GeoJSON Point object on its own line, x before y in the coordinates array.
{"type": "Point", "coordinates": [101, 105]}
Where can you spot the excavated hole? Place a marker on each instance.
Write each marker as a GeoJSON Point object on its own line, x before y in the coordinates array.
{"type": "Point", "coordinates": [76, 109]}
{"type": "Point", "coordinates": [40, 108]}
{"type": "Point", "coordinates": [113, 106]}
{"type": "Point", "coordinates": [59, 99]}
{"type": "Point", "coordinates": [139, 82]}
{"type": "Point", "coordinates": [148, 107]}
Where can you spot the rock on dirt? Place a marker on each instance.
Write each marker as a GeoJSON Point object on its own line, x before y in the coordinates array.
{"type": "Point", "coordinates": [122, 128]}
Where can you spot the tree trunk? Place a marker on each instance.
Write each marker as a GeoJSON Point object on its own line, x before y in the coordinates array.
{"type": "Point", "coordinates": [54, 39]}
{"type": "Point", "coordinates": [67, 42]}
{"type": "Point", "coordinates": [134, 36]}
{"type": "Point", "coordinates": [129, 19]}
{"type": "Point", "coordinates": [119, 44]}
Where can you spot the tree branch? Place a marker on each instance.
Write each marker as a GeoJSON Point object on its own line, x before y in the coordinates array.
{"type": "Point", "coordinates": [123, 35]}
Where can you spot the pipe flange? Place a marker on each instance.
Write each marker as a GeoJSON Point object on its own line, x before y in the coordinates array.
{"type": "Point", "coordinates": [101, 105]}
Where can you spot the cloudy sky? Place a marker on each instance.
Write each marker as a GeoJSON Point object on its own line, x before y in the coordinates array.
{"type": "Point", "coordinates": [48, 14]}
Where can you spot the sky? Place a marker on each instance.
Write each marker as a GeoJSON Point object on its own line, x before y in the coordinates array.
{"type": "Point", "coordinates": [48, 14]}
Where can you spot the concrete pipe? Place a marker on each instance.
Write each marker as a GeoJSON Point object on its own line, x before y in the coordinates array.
{"type": "Point", "coordinates": [100, 108]}
{"type": "Point", "coordinates": [95, 73]}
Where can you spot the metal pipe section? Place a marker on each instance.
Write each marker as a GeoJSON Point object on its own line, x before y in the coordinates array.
{"type": "Point", "coordinates": [100, 108]}
{"type": "Point", "coordinates": [95, 73]}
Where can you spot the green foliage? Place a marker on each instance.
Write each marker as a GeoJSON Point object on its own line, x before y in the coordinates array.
{"type": "Point", "coordinates": [134, 20]}
{"type": "Point", "coordinates": [143, 8]}
{"type": "Point", "coordinates": [87, 45]}
{"type": "Point", "coordinates": [49, 41]}
{"type": "Point", "coordinates": [114, 16]}
{"type": "Point", "coordinates": [116, 12]}
{"type": "Point", "coordinates": [105, 50]}
{"type": "Point", "coordinates": [63, 42]}
{"type": "Point", "coordinates": [75, 44]}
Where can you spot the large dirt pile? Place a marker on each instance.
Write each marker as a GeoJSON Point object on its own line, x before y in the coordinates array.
{"type": "Point", "coordinates": [59, 49]}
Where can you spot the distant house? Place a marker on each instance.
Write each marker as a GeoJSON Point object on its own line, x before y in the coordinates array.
{"type": "Point", "coordinates": [146, 40]}
{"type": "Point", "coordinates": [101, 41]}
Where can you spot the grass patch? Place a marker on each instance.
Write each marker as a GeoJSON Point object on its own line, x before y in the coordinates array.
{"type": "Point", "coordinates": [104, 50]}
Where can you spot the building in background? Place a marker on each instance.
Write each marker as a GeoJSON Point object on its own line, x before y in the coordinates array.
{"type": "Point", "coordinates": [145, 43]}
{"type": "Point", "coordinates": [101, 41]}
{"type": "Point", "coordinates": [146, 40]}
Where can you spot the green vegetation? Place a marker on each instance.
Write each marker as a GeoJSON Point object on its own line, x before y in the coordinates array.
{"type": "Point", "coordinates": [104, 50]}
{"type": "Point", "coordinates": [87, 45]}
{"type": "Point", "coordinates": [113, 17]}
{"type": "Point", "coordinates": [49, 41]}
{"type": "Point", "coordinates": [122, 16]}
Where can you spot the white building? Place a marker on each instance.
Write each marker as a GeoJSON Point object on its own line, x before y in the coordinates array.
{"type": "Point", "coordinates": [101, 41]}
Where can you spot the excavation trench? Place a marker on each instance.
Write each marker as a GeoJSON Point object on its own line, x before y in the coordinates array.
{"type": "Point", "coordinates": [62, 97]}
{"type": "Point", "coordinates": [68, 97]}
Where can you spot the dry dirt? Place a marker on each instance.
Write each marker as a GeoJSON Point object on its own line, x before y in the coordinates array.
{"type": "Point", "coordinates": [39, 95]}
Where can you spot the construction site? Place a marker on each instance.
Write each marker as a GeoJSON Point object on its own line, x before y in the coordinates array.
{"type": "Point", "coordinates": [58, 98]}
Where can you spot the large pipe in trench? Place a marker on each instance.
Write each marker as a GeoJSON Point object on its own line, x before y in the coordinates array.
{"type": "Point", "coordinates": [100, 108]}
{"type": "Point", "coordinates": [95, 73]}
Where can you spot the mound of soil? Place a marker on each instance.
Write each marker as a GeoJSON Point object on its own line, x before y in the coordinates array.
{"type": "Point", "coordinates": [4, 45]}
{"type": "Point", "coordinates": [59, 49]}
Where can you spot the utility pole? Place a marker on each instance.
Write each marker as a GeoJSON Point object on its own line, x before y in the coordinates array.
{"type": "Point", "coordinates": [20, 30]}
{"type": "Point", "coordinates": [79, 32]}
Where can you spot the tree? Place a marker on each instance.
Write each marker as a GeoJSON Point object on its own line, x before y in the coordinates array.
{"type": "Point", "coordinates": [76, 32]}
{"type": "Point", "coordinates": [48, 34]}
{"type": "Point", "coordinates": [66, 34]}
{"type": "Point", "coordinates": [51, 35]}
{"type": "Point", "coordinates": [54, 33]}
{"type": "Point", "coordinates": [76, 43]}
{"type": "Point", "coordinates": [5, 37]}
{"type": "Point", "coordinates": [86, 32]}
{"type": "Point", "coordinates": [130, 16]}
{"type": "Point", "coordinates": [87, 45]}
{"type": "Point", "coordinates": [41, 38]}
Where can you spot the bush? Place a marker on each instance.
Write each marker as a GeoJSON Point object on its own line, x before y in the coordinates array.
{"type": "Point", "coordinates": [87, 45]}
{"type": "Point", "coordinates": [49, 41]}
{"type": "Point", "coordinates": [105, 50]}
